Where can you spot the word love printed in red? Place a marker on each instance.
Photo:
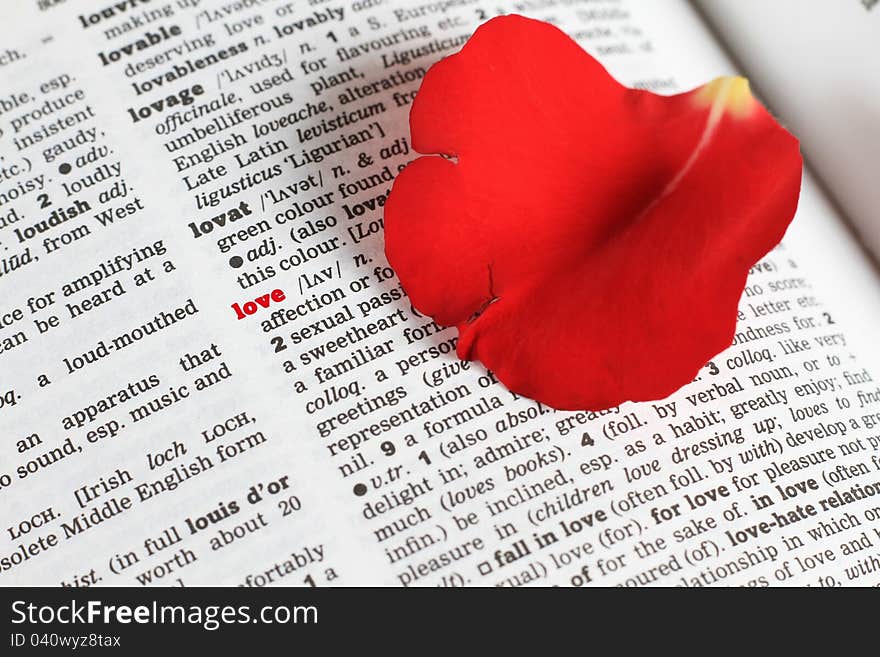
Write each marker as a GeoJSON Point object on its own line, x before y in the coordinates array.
{"type": "Point", "coordinates": [262, 301]}
{"type": "Point", "coordinates": [589, 241]}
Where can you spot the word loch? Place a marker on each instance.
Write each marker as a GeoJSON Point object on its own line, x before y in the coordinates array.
{"type": "Point", "coordinates": [263, 301]}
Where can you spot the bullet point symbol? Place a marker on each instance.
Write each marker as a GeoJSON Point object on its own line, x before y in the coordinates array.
{"type": "Point", "coordinates": [360, 490]}
{"type": "Point", "coordinates": [64, 168]}
{"type": "Point", "coordinates": [236, 262]}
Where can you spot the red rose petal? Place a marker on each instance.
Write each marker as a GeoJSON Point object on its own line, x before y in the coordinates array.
{"type": "Point", "coordinates": [591, 242]}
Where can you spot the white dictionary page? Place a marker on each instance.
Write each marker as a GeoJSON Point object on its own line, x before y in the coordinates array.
{"type": "Point", "coordinates": [818, 64]}
{"type": "Point", "coordinates": [153, 434]}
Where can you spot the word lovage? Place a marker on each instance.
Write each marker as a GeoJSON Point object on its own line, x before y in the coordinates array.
{"type": "Point", "coordinates": [263, 301]}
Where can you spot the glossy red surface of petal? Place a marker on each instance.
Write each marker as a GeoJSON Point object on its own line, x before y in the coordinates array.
{"type": "Point", "coordinates": [590, 242]}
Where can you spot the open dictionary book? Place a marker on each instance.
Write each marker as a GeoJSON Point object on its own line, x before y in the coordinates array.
{"type": "Point", "coordinates": [209, 374]}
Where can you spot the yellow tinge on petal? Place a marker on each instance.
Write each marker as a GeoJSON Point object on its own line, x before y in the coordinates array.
{"type": "Point", "coordinates": [727, 94]}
